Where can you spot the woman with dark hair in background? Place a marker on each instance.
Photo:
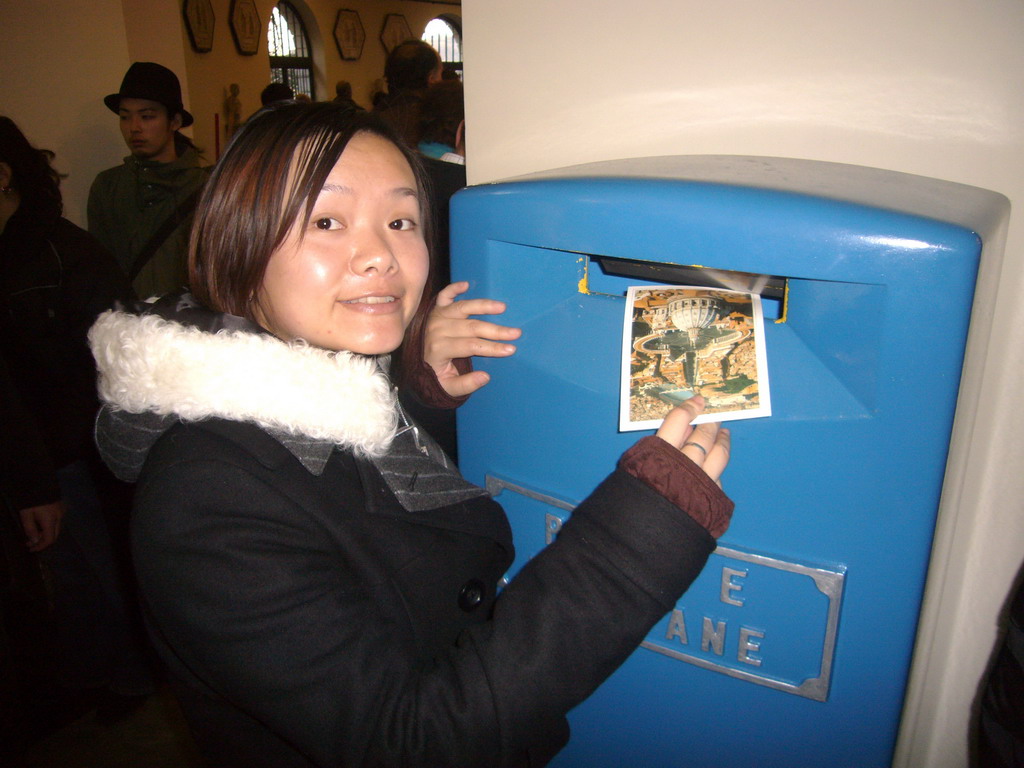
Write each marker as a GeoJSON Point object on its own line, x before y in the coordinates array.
{"type": "Point", "coordinates": [439, 133]}
{"type": "Point", "coordinates": [322, 583]}
{"type": "Point", "coordinates": [55, 279]}
{"type": "Point", "coordinates": [442, 122]}
{"type": "Point", "coordinates": [411, 69]}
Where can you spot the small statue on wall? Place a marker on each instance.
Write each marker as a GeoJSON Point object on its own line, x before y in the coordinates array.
{"type": "Point", "coordinates": [232, 111]}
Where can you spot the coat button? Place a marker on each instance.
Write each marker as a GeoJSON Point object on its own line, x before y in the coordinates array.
{"type": "Point", "coordinates": [471, 595]}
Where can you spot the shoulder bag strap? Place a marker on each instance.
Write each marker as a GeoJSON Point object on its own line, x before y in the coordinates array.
{"type": "Point", "coordinates": [169, 224]}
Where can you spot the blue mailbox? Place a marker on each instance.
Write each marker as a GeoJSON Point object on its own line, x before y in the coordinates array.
{"type": "Point", "coordinates": [793, 647]}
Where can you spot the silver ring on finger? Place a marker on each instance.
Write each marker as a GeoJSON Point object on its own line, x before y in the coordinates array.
{"type": "Point", "coordinates": [698, 445]}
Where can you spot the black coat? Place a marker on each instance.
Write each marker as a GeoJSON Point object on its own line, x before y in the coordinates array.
{"type": "Point", "coordinates": [307, 615]}
{"type": "Point", "coordinates": [313, 621]}
{"type": "Point", "coordinates": [55, 278]}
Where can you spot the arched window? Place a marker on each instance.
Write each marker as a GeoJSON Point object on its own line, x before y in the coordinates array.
{"type": "Point", "coordinates": [291, 55]}
{"type": "Point", "coordinates": [445, 34]}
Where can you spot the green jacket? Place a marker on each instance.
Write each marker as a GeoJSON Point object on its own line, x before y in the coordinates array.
{"type": "Point", "coordinates": [129, 203]}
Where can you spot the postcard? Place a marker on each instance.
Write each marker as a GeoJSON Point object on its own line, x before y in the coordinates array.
{"type": "Point", "coordinates": [680, 341]}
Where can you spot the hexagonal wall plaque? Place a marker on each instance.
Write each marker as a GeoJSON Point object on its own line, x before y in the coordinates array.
{"type": "Point", "coordinates": [349, 35]}
{"type": "Point", "coordinates": [395, 31]}
{"type": "Point", "coordinates": [199, 21]}
{"type": "Point", "coordinates": [245, 26]}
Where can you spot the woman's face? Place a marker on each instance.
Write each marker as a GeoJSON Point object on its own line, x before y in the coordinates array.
{"type": "Point", "coordinates": [355, 278]}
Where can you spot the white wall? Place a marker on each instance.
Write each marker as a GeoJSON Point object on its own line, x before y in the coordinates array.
{"type": "Point", "coordinates": [923, 86]}
{"type": "Point", "coordinates": [59, 58]}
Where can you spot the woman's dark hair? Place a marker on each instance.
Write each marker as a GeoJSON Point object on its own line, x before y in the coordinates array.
{"type": "Point", "coordinates": [32, 176]}
{"type": "Point", "coordinates": [267, 181]}
{"type": "Point", "coordinates": [409, 66]}
{"type": "Point", "coordinates": [442, 110]}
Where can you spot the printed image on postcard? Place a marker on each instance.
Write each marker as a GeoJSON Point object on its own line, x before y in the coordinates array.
{"type": "Point", "coordinates": [681, 341]}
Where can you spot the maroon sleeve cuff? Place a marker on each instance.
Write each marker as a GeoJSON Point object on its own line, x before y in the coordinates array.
{"type": "Point", "coordinates": [423, 382]}
{"type": "Point", "coordinates": [674, 476]}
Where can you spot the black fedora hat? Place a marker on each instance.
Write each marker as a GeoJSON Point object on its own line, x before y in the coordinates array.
{"type": "Point", "coordinates": [155, 82]}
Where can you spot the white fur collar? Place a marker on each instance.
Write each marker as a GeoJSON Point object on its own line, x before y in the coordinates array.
{"type": "Point", "coordinates": [150, 364]}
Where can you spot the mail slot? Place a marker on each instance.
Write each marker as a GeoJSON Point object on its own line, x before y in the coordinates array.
{"type": "Point", "coordinates": [794, 646]}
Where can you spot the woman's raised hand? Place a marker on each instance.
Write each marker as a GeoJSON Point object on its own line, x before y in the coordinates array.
{"type": "Point", "coordinates": [452, 332]}
{"type": "Point", "coordinates": [706, 445]}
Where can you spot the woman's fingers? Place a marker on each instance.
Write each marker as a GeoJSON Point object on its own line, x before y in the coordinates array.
{"type": "Point", "coordinates": [446, 305]}
{"type": "Point", "coordinates": [718, 456]}
{"type": "Point", "coordinates": [454, 347]}
{"type": "Point", "coordinates": [487, 330]}
{"type": "Point", "coordinates": [699, 443]}
{"type": "Point", "coordinates": [453, 331]}
{"type": "Point", "coordinates": [447, 295]}
{"type": "Point", "coordinates": [460, 310]}
{"type": "Point", "coordinates": [450, 339]}
{"type": "Point", "coordinates": [677, 424]}
{"type": "Point", "coordinates": [706, 445]}
{"type": "Point", "coordinates": [466, 384]}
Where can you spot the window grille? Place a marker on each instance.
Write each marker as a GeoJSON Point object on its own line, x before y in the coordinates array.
{"type": "Point", "coordinates": [445, 35]}
{"type": "Point", "coordinates": [291, 55]}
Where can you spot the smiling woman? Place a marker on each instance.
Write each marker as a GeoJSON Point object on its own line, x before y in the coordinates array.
{"type": "Point", "coordinates": [353, 276]}
{"type": "Point", "coordinates": [269, 196]}
{"type": "Point", "coordinates": [321, 582]}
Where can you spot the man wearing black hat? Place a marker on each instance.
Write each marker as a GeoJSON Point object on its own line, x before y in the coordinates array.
{"type": "Point", "coordinates": [142, 209]}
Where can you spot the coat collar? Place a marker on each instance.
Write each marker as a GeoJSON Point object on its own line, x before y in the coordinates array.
{"type": "Point", "coordinates": [150, 364]}
{"type": "Point", "coordinates": [187, 158]}
{"type": "Point", "coordinates": [174, 360]}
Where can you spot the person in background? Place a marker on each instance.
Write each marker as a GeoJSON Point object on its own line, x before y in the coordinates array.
{"type": "Point", "coordinates": [323, 585]}
{"type": "Point", "coordinates": [440, 142]}
{"type": "Point", "coordinates": [141, 210]}
{"type": "Point", "coordinates": [378, 92]}
{"type": "Point", "coordinates": [33, 700]}
{"type": "Point", "coordinates": [442, 122]}
{"type": "Point", "coordinates": [343, 94]}
{"type": "Point", "coordinates": [411, 68]}
{"type": "Point", "coordinates": [276, 92]}
{"type": "Point", "coordinates": [998, 732]}
{"type": "Point", "coordinates": [55, 278]}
